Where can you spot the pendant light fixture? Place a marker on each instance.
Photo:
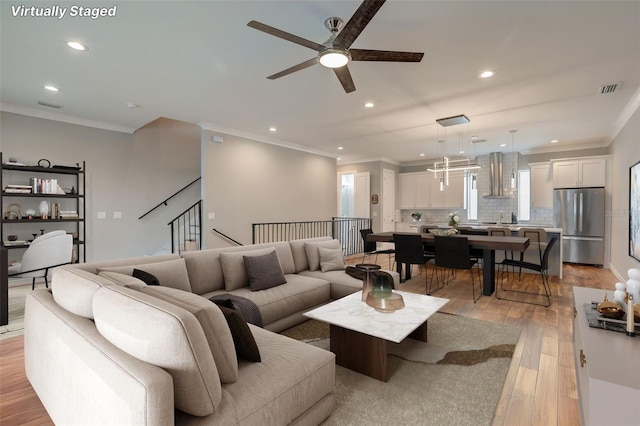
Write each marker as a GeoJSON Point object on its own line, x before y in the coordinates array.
{"type": "Point", "coordinates": [513, 160]}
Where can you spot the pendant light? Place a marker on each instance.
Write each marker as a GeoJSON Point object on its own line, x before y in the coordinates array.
{"type": "Point", "coordinates": [513, 173]}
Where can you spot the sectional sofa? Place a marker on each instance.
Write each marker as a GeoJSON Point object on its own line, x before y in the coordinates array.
{"type": "Point", "coordinates": [104, 347]}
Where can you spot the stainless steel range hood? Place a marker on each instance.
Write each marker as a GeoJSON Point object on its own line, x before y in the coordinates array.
{"type": "Point", "coordinates": [495, 176]}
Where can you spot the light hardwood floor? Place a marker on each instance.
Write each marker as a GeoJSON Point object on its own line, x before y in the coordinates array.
{"type": "Point", "coordinates": [540, 388]}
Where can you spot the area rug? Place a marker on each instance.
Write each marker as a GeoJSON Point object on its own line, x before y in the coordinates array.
{"type": "Point", "coordinates": [17, 296]}
{"type": "Point", "coordinates": [454, 379]}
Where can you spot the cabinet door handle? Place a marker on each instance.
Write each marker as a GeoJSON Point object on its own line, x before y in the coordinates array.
{"type": "Point", "coordinates": [583, 358]}
{"type": "Point", "coordinates": [575, 312]}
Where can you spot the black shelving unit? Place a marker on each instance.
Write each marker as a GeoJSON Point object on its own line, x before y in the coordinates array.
{"type": "Point", "coordinates": [17, 174]}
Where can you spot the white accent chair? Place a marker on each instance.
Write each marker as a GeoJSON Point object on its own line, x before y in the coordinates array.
{"type": "Point", "coordinates": [45, 252]}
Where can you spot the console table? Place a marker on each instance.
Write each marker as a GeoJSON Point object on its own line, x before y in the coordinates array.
{"type": "Point", "coordinates": [607, 368]}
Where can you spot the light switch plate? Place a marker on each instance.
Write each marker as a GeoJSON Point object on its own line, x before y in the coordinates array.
{"type": "Point", "coordinates": [212, 216]}
{"type": "Point", "coordinates": [117, 215]}
{"type": "Point", "coordinates": [102, 215]}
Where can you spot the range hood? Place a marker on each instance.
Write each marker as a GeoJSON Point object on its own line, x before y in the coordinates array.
{"type": "Point", "coordinates": [496, 187]}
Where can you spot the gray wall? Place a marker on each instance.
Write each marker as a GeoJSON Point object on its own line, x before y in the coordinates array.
{"type": "Point", "coordinates": [245, 182]}
{"type": "Point", "coordinates": [625, 152]}
{"type": "Point", "coordinates": [125, 172]}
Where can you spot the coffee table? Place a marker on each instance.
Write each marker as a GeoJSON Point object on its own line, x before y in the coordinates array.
{"type": "Point", "coordinates": [359, 334]}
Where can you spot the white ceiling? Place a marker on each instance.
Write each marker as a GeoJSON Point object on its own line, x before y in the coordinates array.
{"type": "Point", "coordinates": [199, 62]}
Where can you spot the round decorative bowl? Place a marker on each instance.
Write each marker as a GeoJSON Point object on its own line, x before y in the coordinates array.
{"type": "Point", "coordinates": [12, 237]}
{"type": "Point", "coordinates": [610, 309]}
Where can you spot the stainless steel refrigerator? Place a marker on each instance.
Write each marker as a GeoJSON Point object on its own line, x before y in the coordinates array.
{"type": "Point", "coordinates": [580, 213]}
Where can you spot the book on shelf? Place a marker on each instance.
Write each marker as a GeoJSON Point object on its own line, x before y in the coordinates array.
{"type": "Point", "coordinates": [46, 186]}
{"type": "Point", "coordinates": [15, 243]}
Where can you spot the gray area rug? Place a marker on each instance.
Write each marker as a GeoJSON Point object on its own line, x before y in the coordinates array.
{"type": "Point", "coordinates": [17, 296]}
{"type": "Point", "coordinates": [454, 379]}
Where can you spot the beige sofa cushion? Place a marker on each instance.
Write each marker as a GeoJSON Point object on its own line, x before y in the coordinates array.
{"type": "Point", "coordinates": [170, 273]}
{"type": "Point", "coordinates": [300, 255]}
{"type": "Point", "coordinates": [164, 335]}
{"type": "Point", "coordinates": [331, 259]}
{"type": "Point", "coordinates": [122, 279]}
{"type": "Point", "coordinates": [313, 256]}
{"type": "Point", "coordinates": [213, 324]}
{"type": "Point", "coordinates": [73, 289]}
{"type": "Point", "coordinates": [235, 273]}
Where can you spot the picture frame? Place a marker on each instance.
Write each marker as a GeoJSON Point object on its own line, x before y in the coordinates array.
{"type": "Point", "coordinates": [634, 211]}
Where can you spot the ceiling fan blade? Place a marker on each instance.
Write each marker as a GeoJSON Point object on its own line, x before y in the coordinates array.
{"type": "Point", "coordinates": [358, 22]}
{"type": "Point", "coordinates": [301, 66]}
{"type": "Point", "coordinates": [285, 35]}
{"type": "Point", "coordinates": [344, 76]}
{"type": "Point", "coordinates": [384, 55]}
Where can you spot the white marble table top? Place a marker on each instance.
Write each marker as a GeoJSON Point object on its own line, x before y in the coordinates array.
{"type": "Point", "coordinates": [352, 313]}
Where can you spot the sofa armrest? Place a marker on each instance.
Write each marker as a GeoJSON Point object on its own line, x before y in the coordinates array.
{"type": "Point", "coordinates": [80, 377]}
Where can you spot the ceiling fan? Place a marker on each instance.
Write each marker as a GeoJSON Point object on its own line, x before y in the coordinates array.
{"type": "Point", "coordinates": [335, 53]}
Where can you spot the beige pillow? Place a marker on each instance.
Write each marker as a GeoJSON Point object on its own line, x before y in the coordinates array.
{"type": "Point", "coordinates": [213, 324]}
{"type": "Point", "coordinates": [233, 269]}
{"type": "Point", "coordinates": [313, 257]}
{"type": "Point", "coordinates": [170, 273]}
{"type": "Point", "coordinates": [122, 279]}
{"type": "Point", "coordinates": [166, 336]}
{"type": "Point", "coordinates": [331, 259]}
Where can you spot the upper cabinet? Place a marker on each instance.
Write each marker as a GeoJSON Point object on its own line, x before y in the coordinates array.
{"type": "Point", "coordinates": [414, 190]}
{"type": "Point", "coordinates": [541, 185]}
{"type": "Point", "coordinates": [579, 172]}
{"type": "Point", "coordinates": [421, 190]}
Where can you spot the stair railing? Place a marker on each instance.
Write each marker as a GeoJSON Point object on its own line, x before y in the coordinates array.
{"type": "Point", "coordinates": [186, 229]}
{"type": "Point", "coordinates": [227, 237]}
{"type": "Point", "coordinates": [164, 202]}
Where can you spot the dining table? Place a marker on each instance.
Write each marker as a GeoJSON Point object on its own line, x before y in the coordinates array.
{"type": "Point", "coordinates": [488, 245]}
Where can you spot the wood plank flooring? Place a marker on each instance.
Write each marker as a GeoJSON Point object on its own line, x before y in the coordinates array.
{"type": "Point", "coordinates": [540, 388]}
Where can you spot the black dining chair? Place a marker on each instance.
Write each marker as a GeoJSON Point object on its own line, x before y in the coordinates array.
{"type": "Point", "coordinates": [410, 251]}
{"type": "Point", "coordinates": [371, 247]}
{"type": "Point", "coordinates": [453, 253]}
{"type": "Point", "coordinates": [475, 253]}
{"type": "Point", "coordinates": [501, 231]}
{"type": "Point", "coordinates": [542, 268]}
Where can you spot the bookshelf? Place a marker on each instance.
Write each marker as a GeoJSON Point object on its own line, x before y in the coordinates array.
{"type": "Point", "coordinates": [25, 187]}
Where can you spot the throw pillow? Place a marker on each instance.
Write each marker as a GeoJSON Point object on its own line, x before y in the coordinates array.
{"type": "Point", "coordinates": [148, 278]}
{"type": "Point", "coordinates": [313, 257]}
{"type": "Point", "coordinates": [245, 344]}
{"type": "Point", "coordinates": [264, 271]}
{"type": "Point", "coordinates": [233, 269]}
{"type": "Point", "coordinates": [331, 259]}
{"type": "Point", "coordinates": [123, 279]}
{"type": "Point", "coordinates": [171, 273]}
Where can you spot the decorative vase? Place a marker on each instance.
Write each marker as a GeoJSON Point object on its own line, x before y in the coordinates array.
{"type": "Point", "coordinates": [43, 207]}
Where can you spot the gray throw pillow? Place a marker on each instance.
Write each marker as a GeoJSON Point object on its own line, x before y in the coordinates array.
{"type": "Point", "coordinates": [331, 259]}
{"type": "Point", "coordinates": [264, 271]}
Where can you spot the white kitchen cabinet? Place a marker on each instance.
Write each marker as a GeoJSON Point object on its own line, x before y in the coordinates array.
{"type": "Point", "coordinates": [414, 190]}
{"type": "Point", "coordinates": [607, 368]}
{"type": "Point", "coordinates": [579, 172]}
{"type": "Point", "coordinates": [541, 185]}
{"type": "Point", "coordinates": [453, 195]}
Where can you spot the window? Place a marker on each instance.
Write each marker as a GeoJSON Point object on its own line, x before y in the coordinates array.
{"type": "Point", "coordinates": [524, 195]}
{"type": "Point", "coordinates": [471, 196]}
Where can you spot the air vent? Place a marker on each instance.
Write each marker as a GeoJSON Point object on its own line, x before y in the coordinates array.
{"type": "Point", "coordinates": [609, 88]}
{"type": "Point", "coordinates": [49, 105]}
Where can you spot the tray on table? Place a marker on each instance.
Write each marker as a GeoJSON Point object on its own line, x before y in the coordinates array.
{"type": "Point", "coordinates": [598, 321]}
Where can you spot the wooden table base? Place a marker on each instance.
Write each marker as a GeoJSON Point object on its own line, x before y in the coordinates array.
{"type": "Point", "coordinates": [363, 353]}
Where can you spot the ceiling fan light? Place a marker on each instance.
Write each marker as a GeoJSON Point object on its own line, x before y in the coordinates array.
{"type": "Point", "coordinates": [334, 58]}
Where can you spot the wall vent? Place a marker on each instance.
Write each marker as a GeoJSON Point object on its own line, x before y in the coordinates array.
{"type": "Point", "coordinates": [49, 105]}
{"type": "Point", "coordinates": [609, 88]}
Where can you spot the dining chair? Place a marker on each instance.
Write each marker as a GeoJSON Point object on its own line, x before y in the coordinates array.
{"type": "Point", "coordinates": [371, 247]}
{"type": "Point", "coordinates": [476, 253]}
{"type": "Point", "coordinates": [453, 253]}
{"type": "Point", "coordinates": [410, 251]}
{"type": "Point", "coordinates": [537, 243]}
{"type": "Point", "coordinates": [501, 231]}
{"type": "Point", "coordinates": [542, 268]}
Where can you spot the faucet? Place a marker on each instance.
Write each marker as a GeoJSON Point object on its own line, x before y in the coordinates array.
{"type": "Point", "coordinates": [500, 217]}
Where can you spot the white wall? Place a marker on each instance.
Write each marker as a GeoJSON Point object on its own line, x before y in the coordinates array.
{"type": "Point", "coordinates": [625, 152]}
{"type": "Point", "coordinates": [124, 172]}
{"type": "Point", "coordinates": [246, 181]}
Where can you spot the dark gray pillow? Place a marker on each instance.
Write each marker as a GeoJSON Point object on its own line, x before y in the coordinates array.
{"type": "Point", "coordinates": [264, 271]}
{"type": "Point", "coordinates": [149, 279]}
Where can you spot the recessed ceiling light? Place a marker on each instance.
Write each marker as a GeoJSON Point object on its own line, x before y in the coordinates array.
{"type": "Point", "coordinates": [554, 141]}
{"type": "Point", "coordinates": [503, 144]}
{"type": "Point", "coordinates": [51, 88]}
{"type": "Point", "coordinates": [340, 148]}
{"type": "Point", "coordinates": [368, 105]}
{"type": "Point", "coordinates": [487, 74]}
{"type": "Point", "coordinates": [339, 158]}
{"type": "Point", "coordinates": [273, 129]}
{"type": "Point", "coordinates": [474, 138]}
{"type": "Point", "coordinates": [422, 155]}
{"type": "Point", "coordinates": [461, 151]}
{"type": "Point", "coordinates": [132, 105]}
{"type": "Point", "coordinates": [77, 46]}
